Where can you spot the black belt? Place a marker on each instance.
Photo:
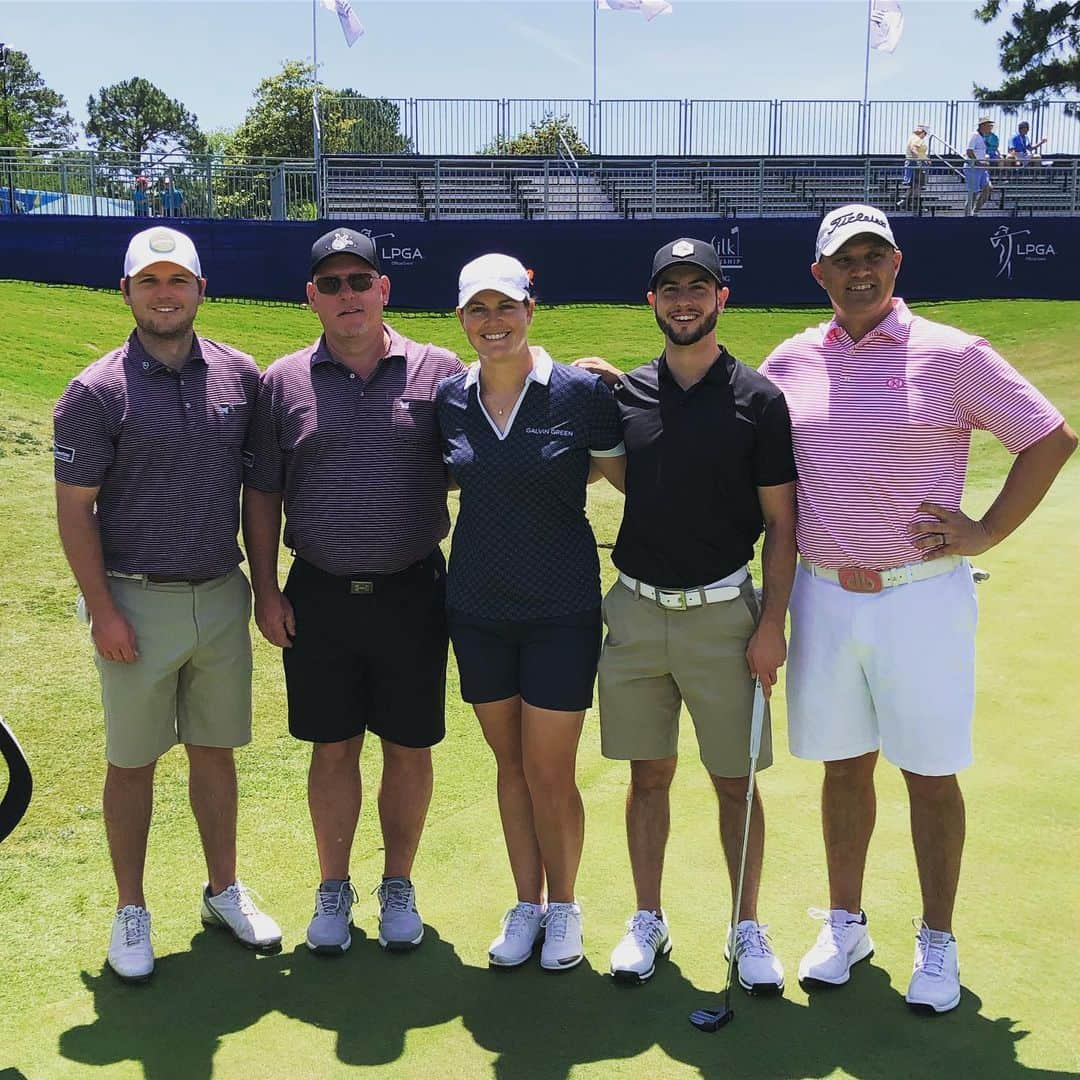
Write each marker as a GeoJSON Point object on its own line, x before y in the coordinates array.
{"type": "Point", "coordinates": [365, 583]}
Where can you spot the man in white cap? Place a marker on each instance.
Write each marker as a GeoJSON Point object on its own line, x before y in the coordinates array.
{"type": "Point", "coordinates": [977, 167]}
{"type": "Point", "coordinates": [148, 472]}
{"type": "Point", "coordinates": [916, 157]}
{"type": "Point", "coordinates": [882, 658]}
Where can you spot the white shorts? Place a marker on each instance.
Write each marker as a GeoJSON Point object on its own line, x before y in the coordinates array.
{"type": "Point", "coordinates": [893, 670]}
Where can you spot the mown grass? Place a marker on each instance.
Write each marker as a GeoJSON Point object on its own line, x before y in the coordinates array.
{"type": "Point", "coordinates": [216, 1010]}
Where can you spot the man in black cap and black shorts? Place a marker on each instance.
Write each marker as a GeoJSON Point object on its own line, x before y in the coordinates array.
{"type": "Point", "coordinates": [345, 437]}
{"type": "Point", "coordinates": [709, 465]}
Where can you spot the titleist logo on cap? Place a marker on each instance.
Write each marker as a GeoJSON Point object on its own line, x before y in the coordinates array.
{"type": "Point", "coordinates": [847, 219]}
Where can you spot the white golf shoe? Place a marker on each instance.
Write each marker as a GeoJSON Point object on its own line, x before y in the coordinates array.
{"type": "Point", "coordinates": [935, 979]}
{"type": "Point", "coordinates": [760, 971]}
{"type": "Point", "coordinates": [844, 940]}
{"type": "Point", "coordinates": [633, 960]}
{"type": "Point", "coordinates": [130, 954]}
{"type": "Point", "coordinates": [521, 930]}
{"type": "Point", "coordinates": [563, 941]}
{"type": "Point", "coordinates": [234, 910]}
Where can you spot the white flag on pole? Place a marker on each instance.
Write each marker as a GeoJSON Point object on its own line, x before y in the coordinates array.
{"type": "Point", "coordinates": [350, 24]}
{"type": "Point", "coordinates": [650, 8]}
{"type": "Point", "coordinates": [886, 25]}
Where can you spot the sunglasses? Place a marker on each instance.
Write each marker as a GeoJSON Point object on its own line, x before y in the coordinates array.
{"type": "Point", "coordinates": [331, 285]}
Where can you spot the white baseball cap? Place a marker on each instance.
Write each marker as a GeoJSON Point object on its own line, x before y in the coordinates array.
{"type": "Point", "coordinates": [160, 244]}
{"type": "Point", "coordinates": [502, 273]}
{"type": "Point", "coordinates": [840, 225]}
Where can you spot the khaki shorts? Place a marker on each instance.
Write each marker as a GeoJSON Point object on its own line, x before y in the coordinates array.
{"type": "Point", "coordinates": [192, 681]}
{"type": "Point", "coordinates": [655, 659]}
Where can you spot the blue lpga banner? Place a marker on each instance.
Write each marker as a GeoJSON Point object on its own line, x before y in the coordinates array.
{"type": "Point", "coordinates": [767, 259]}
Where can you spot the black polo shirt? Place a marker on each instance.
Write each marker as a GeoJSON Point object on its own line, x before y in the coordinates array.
{"type": "Point", "coordinates": [694, 461]}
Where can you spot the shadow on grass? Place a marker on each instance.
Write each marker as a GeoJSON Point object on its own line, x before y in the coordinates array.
{"type": "Point", "coordinates": [538, 1025]}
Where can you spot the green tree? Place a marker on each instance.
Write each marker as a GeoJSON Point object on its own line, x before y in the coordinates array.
{"type": "Point", "coordinates": [30, 113]}
{"type": "Point", "coordinates": [137, 118]}
{"type": "Point", "coordinates": [278, 124]}
{"type": "Point", "coordinates": [541, 140]}
{"type": "Point", "coordinates": [1040, 53]}
{"type": "Point", "coordinates": [372, 125]}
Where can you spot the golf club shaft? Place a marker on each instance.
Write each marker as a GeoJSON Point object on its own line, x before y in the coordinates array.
{"type": "Point", "coordinates": [757, 721]}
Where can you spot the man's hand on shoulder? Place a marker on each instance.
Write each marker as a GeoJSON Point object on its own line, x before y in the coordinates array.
{"type": "Point", "coordinates": [274, 618]}
{"type": "Point", "coordinates": [599, 366]}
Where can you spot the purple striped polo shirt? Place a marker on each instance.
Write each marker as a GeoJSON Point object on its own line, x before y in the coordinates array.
{"type": "Point", "coordinates": [881, 424]}
{"type": "Point", "coordinates": [359, 460]}
{"type": "Point", "coordinates": [165, 448]}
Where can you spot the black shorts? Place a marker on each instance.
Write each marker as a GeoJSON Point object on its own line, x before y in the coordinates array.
{"type": "Point", "coordinates": [551, 663]}
{"type": "Point", "coordinates": [369, 654]}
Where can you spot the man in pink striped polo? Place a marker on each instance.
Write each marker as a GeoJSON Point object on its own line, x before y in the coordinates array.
{"type": "Point", "coordinates": [882, 657]}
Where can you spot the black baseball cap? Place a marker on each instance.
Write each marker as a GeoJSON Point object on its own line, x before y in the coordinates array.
{"type": "Point", "coordinates": [344, 242]}
{"type": "Point", "coordinates": [688, 250]}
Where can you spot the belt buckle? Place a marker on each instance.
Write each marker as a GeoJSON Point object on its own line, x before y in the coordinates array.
{"type": "Point", "coordinates": [361, 588]}
{"type": "Point", "coordinates": [860, 580]}
{"type": "Point", "coordinates": [677, 596]}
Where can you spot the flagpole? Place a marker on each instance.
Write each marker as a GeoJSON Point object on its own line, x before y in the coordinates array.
{"type": "Point", "coordinates": [866, 70]}
{"type": "Point", "coordinates": [593, 51]}
{"type": "Point", "coordinates": [316, 136]}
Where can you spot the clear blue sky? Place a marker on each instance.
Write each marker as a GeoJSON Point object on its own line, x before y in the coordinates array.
{"type": "Point", "coordinates": [211, 55]}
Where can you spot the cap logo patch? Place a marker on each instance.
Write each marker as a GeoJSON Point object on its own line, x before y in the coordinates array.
{"type": "Point", "coordinates": [847, 219]}
{"type": "Point", "coordinates": [682, 248]}
{"type": "Point", "coordinates": [341, 241]}
{"type": "Point", "coordinates": [162, 243]}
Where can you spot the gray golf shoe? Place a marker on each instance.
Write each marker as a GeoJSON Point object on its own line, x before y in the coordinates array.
{"type": "Point", "coordinates": [328, 931]}
{"type": "Point", "coordinates": [400, 925]}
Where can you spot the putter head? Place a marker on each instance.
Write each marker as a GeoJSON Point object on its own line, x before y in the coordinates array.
{"type": "Point", "coordinates": [712, 1019]}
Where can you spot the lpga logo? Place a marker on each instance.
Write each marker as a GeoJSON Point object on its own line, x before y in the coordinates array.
{"type": "Point", "coordinates": [729, 249]}
{"type": "Point", "coordinates": [1008, 246]}
{"type": "Point", "coordinates": [391, 252]}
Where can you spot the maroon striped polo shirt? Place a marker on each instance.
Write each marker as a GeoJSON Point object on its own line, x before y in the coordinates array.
{"type": "Point", "coordinates": [359, 460]}
{"type": "Point", "coordinates": [164, 447]}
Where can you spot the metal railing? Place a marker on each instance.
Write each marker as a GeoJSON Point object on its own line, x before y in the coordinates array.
{"type": "Point", "coordinates": [451, 127]}
{"type": "Point", "coordinates": [370, 189]}
{"type": "Point", "coordinates": [374, 190]}
{"type": "Point", "coordinates": [109, 185]}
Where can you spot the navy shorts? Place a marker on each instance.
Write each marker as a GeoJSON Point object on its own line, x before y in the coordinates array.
{"type": "Point", "coordinates": [369, 654]}
{"type": "Point", "coordinates": [550, 663]}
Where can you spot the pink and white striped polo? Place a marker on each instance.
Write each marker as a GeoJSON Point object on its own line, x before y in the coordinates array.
{"type": "Point", "coordinates": [883, 424]}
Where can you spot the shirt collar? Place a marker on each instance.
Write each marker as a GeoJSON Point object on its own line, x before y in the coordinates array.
{"type": "Point", "coordinates": [396, 346]}
{"type": "Point", "coordinates": [540, 373]}
{"type": "Point", "coordinates": [145, 362]}
{"type": "Point", "coordinates": [719, 371]}
{"type": "Point", "coordinates": [894, 326]}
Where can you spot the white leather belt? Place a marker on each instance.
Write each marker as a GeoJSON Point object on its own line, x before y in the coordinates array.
{"type": "Point", "coordinates": [859, 579]}
{"type": "Point", "coordinates": [681, 599]}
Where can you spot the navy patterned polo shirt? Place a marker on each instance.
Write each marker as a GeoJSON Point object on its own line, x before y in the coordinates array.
{"type": "Point", "coordinates": [522, 547]}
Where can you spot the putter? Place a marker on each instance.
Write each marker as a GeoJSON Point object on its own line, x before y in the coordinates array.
{"type": "Point", "coordinates": [20, 784]}
{"type": "Point", "coordinates": [715, 1019]}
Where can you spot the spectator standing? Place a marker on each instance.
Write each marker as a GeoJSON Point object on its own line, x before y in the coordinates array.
{"type": "Point", "coordinates": [916, 160]}
{"type": "Point", "coordinates": [140, 196]}
{"type": "Point", "coordinates": [976, 162]}
{"type": "Point", "coordinates": [172, 199]}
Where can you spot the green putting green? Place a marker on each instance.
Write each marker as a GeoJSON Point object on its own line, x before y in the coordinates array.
{"type": "Point", "coordinates": [214, 1009]}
